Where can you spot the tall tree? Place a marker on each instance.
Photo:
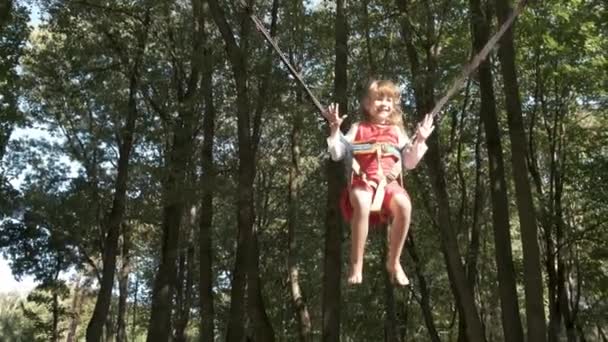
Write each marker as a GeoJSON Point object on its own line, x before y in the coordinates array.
{"type": "Point", "coordinates": [207, 311]}
{"type": "Point", "coordinates": [262, 328]}
{"type": "Point", "coordinates": [115, 218]}
{"type": "Point", "coordinates": [423, 82]}
{"type": "Point", "coordinates": [294, 193]}
{"type": "Point", "coordinates": [332, 268]}
{"type": "Point", "coordinates": [533, 280]}
{"type": "Point", "coordinates": [553, 112]}
{"type": "Point", "coordinates": [246, 270]}
{"type": "Point", "coordinates": [511, 323]}
{"type": "Point", "coordinates": [236, 328]}
{"type": "Point", "coordinates": [474, 251]}
{"type": "Point", "coordinates": [176, 194]}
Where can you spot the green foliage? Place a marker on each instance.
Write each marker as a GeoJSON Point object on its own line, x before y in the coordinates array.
{"type": "Point", "coordinates": [13, 36]}
{"type": "Point", "coordinates": [45, 311]}
{"type": "Point", "coordinates": [35, 241]}
{"type": "Point", "coordinates": [14, 326]}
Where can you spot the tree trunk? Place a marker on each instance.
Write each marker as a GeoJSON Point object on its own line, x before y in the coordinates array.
{"type": "Point", "coordinates": [236, 323]}
{"type": "Point", "coordinates": [104, 297]}
{"type": "Point", "coordinates": [302, 315]}
{"type": "Point", "coordinates": [55, 327]}
{"type": "Point", "coordinates": [247, 258]}
{"type": "Point", "coordinates": [207, 312]}
{"type": "Point", "coordinates": [601, 333]}
{"type": "Point", "coordinates": [178, 325]}
{"type": "Point", "coordinates": [293, 200]}
{"type": "Point", "coordinates": [110, 333]}
{"type": "Point", "coordinates": [371, 62]}
{"type": "Point", "coordinates": [189, 287]}
{"type": "Point", "coordinates": [184, 295]}
{"type": "Point", "coordinates": [134, 310]}
{"type": "Point", "coordinates": [511, 323]}
{"type": "Point", "coordinates": [159, 328]}
{"type": "Point", "coordinates": [423, 93]}
{"type": "Point", "coordinates": [333, 225]}
{"type": "Point", "coordinates": [236, 326]}
{"type": "Point", "coordinates": [452, 255]}
{"type": "Point", "coordinates": [563, 250]}
{"type": "Point", "coordinates": [425, 296]}
{"type": "Point", "coordinates": [406, 314]}
{"type": "Point", "coordinates": [332, 263]}
{"type": "Point", "coordinates": [175, 187]}
{"type": "Point", "coordinates": [533, 282]}
{"type": "Point", "coordinates": [547, 208]}
{"type": "Point", "coordinates": [123, 285]}
{"type": "Point", "coordinates": [263, 330]}
{"type": "Point", "coordinates": [555, 318]}
{"type": "Point", "coordinates": [75, 311]}
{"type": "Point", "coordinates": [391, 325]}
{"type": "Point", "coordinates": [475, 241]}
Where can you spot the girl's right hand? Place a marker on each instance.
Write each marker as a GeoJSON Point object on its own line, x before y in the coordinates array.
{"type": "Point", "coordinates": [332, 114]}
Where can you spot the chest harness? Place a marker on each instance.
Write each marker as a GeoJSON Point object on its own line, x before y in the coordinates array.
{"type": "Point", "coordinates": [380, 180]}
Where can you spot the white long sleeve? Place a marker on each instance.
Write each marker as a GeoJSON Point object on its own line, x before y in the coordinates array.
{"type": "Point", "coordinates": [336, 143]}
{"type": "Point", "coordinates": [412, 153]}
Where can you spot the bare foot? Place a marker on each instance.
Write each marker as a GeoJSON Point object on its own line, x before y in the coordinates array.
{"type": "Point", "coordinates": [397, 275]}
{"type": "Point", "coordinates": [355, 275]}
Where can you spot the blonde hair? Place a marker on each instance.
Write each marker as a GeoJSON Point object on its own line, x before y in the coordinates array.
{"type": "Point", "coordinates": [381, 88]}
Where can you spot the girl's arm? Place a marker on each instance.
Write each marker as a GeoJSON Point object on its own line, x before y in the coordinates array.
{"type": "Point", "coordinates": [337, 142]}
{"type": "Point", "coordinates": [411, 152]}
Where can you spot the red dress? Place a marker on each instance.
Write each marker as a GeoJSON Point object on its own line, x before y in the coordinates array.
{"type": "Point", "coordinates": [372, 133]}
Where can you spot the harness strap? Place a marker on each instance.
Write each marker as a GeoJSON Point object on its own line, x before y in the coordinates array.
{"type": "Point", "coordinates": [395, 172]}
{"type": "Point", "coordinates": [373, 147]}
{"type": "Point", "coordinates": [379, 195]}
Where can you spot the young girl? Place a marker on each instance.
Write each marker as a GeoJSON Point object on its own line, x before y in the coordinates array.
{"type": "Point", "coordinates": [377, 147]}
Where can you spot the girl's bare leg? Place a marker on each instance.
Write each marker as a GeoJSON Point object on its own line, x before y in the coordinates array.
{"type": "Point", "coordinates": [401, 209]}
{"type": "Point", "coordinates": [360, 200]}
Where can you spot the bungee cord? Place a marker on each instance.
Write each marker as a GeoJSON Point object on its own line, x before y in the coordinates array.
{"type": "Point", "coordinates": [468, 69]}
{"type": "Point", "coordinates": [260, 27]}
{"type": "Point", "coordinates": [457, 84]}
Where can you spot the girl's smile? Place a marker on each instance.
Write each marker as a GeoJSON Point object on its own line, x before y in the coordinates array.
{"type": "Point", "coordinates": [380, 109]}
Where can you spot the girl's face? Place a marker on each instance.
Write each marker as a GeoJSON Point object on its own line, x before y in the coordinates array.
{"type": "Point", "coordinates": [380, 108]}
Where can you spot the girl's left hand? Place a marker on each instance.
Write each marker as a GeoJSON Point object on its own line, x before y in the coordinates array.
{"type": "Point", "coordinates": [426, 127]}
